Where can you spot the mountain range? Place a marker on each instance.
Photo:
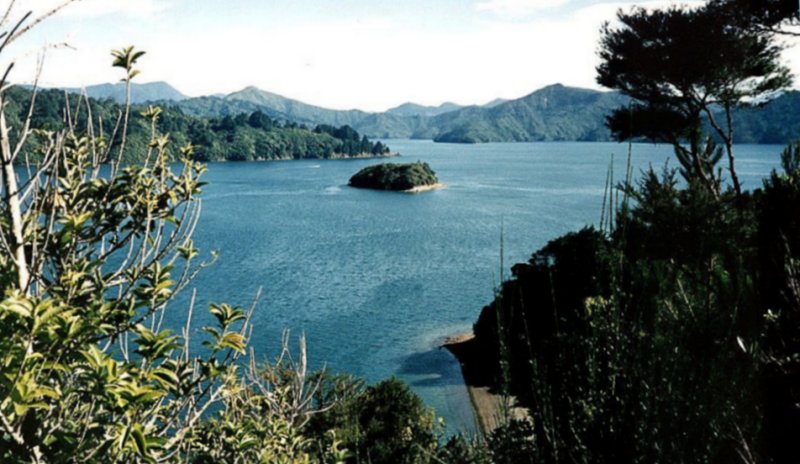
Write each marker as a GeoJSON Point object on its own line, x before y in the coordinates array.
{"type": "Point", "coordinates": [552, 113]}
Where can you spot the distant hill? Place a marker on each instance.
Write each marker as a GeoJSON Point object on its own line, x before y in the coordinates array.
{"type": "Point", "coordinates": [244, 136]}
{"type": "Point", "coordinates": [776, 122]}
{"type": "Point", "coordinates": [140, 93]}
{"type": "Point", "coordinates": [215, 107]}
{"type": "Point", "coordinates": [413, 109]}
{"type": "Point", "coordinates": [295, 110]}
{"type": "Point", "coordinates": [553, 113]}
{"type": "Point", "coordinates": [390, 126]}
{"type": "Point", "coordinates": [384, 125]}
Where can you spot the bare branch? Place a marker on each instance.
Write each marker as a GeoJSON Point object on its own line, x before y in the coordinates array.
{"type": "Point", "coordinates": [15, 35]}
{"type": "Point", "coordinates": [7, 14]}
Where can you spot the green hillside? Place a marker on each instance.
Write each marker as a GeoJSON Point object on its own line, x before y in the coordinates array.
{"type": "Point", "coordinates": [553, 113]}
{"type": "Point", "coordinates": [248, 135]}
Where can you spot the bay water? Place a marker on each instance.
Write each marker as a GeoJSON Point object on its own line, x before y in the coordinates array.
{"type": "Point", "coordinates": [376, 280]}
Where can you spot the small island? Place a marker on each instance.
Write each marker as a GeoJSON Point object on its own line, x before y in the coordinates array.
{"type": "Point", "coordinates": [407, 177]}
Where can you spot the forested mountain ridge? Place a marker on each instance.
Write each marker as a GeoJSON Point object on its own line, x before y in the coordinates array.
{"type": "Point", "coordinates": [244, 136]}
{"type": "Point", "coordinates": [777, 122]}
{"type": "Point", "coordinates": [414, 109]}
{"type": "Point", "coordinates": [553, 113]}
{"type": "Point", "coordinates": [295, 110]}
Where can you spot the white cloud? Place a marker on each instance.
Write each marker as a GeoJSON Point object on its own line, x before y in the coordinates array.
{"type": "Point", "coordinates": [368, 63]}
{"type": "Point", "coordinates": [518, 8]}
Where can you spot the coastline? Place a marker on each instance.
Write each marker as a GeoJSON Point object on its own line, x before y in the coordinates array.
{"type": "Point", "coordinates": [339, 156]}
{"type": "Point", "coordinates": [333, 157]}
{"type": "Point", "coordinates": [487, 404]}
{"type": "Point", "coordinates": [425, 188]}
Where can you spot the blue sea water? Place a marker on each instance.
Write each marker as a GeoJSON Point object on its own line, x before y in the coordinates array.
{"type": "Point", "coordinates": [375, 280]}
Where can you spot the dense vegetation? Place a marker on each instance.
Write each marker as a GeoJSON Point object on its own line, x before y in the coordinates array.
{"type": "Point", "coordinates": [392, 176]}
{"type": "Point", "coordinates": [672, 338]}
{"type": "Point", "coordinates": [672, 333]}
{"type": "Point", "coordinates": [239, 137]}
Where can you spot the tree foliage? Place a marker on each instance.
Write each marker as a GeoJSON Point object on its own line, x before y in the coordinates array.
{"type": "Point", "coordinates": [95, 249]}
{"type": "Point", "coordinates": [392, 176]}
{"type": "Point", "coordinates": [770, 15]}
{"type": "Point", "coordinates": [673, 339]}
{"type": "Point", "coordinates": [93, 256]}
{"type": "Point", "coordinates": [673, 335]}
{"type": "Point", "coordinates": [680, 65]}
{"type": "Point", "coordinates": [382, 423]}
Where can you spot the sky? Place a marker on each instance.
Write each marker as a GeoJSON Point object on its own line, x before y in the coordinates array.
{"type": "Point", "coordinates": [365, 54]}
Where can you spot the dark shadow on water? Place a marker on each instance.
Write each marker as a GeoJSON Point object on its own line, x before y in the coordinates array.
{"type": "Point", "coordinates": [438, 365]}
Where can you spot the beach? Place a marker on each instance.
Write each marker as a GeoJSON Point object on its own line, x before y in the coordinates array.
{"type": "Point", "coordinates": [491, 408]}
{"type": "Point", "coordinates": [425, 188]}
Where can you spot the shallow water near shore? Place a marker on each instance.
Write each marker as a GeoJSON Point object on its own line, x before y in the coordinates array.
{"type": "Point", "coordinates": [376, 280]}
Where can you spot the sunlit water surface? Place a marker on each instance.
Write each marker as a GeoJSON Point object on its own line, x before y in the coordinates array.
{"type": "Point", "coordinates": [376, 280]}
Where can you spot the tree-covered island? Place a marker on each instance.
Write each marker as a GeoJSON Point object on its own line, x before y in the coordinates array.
{"type": "Point", "coordinates": [406, 177]}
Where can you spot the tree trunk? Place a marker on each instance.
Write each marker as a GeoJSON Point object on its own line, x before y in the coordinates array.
{"type": "Point", "coordinates": [729, 149]}
{"type": "Point", "coordinates": [14, 209]}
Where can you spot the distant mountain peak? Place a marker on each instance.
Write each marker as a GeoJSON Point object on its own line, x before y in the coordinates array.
{"type": "Point", "coordinates": [251, 98]}
{"type": "Point", "coordinates": [140, 93]}
{"type": "Point", "coordinates": [249, 89]}
{"type": "Point", "coordinates": [253, 93]}
{"type": "Point", "coordinates": [415, 109]}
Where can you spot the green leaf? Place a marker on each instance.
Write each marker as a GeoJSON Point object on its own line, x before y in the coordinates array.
{"type": "Point", "coordinates": [232, 340]}
{"type": "Point", "coordinates": [139, 440]}
{"type": "Point", "coordinates": [226, 314]}
{"type": "Point", "coordinates": [21, 307]}
{"type": "Point", "coordinates": [165, 377]}
{"type": "Point", "coordinates": [66, 237]}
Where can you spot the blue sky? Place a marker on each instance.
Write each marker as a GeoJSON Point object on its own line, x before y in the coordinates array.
{"type": "Point", "coordinates": [368, 54]}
